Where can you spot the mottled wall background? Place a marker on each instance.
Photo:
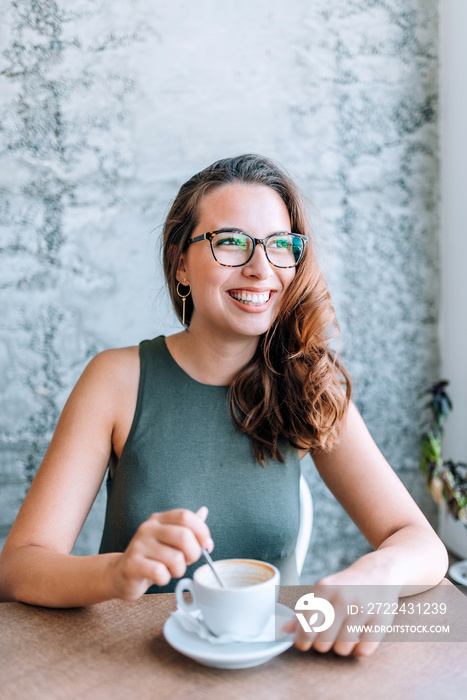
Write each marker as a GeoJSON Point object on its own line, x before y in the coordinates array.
{"type": "Point", "coordinates": [106, 108]}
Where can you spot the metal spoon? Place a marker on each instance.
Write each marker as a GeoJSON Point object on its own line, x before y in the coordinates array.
{"type": "Point", "coordinates": [207, 556]}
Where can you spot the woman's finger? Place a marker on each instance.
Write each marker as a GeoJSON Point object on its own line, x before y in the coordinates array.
{"type": "Point", "coordinates": [174, 560]}
{"type": "Point", "coordinates": [303, 640]}
{"type": "Point", "coordinates": [154, 538]}
{"type": "Point", "coordinates": [186, 518]}
{"type": "Point", "coordinates": [365, 648]}
{"type": "Point", "coordinates": [155, 571]}
{"type": "Point", "coordinates": [202, 513]}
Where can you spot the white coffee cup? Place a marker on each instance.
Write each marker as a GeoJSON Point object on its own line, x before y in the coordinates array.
{"type": "Point", "coordinates": [244, 606]}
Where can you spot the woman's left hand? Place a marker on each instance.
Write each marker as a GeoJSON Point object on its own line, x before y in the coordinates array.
{"type": "Point", "coordinates": [359, 598]}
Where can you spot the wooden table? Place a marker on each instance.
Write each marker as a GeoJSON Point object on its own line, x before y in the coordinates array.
{"type": "Point", "coordinates": [117, 650]}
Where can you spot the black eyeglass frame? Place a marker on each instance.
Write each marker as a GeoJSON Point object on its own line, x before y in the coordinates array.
{"type": "Point", "coordinates": [263, 241]}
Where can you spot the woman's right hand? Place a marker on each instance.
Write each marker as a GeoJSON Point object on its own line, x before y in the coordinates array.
{"type": "Point", "coordinates": [161, 549]}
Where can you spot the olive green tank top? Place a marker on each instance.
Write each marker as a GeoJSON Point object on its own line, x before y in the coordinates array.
{"type": "Point", "coordinates": [184, 451]}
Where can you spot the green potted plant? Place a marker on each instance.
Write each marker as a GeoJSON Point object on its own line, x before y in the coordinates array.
{"type": "Point", "coordinates": [446, 480]}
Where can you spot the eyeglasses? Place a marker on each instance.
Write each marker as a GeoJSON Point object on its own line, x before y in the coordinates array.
{"type": "Point", "coordinates": [234, 248]}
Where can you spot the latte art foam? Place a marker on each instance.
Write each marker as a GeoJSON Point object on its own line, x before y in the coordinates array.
{"type": "Point", "coordinates": [236, 573]}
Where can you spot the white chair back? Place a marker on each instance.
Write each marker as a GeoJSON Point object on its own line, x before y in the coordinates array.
{"type": "Point", "coordinates": [306, 524]}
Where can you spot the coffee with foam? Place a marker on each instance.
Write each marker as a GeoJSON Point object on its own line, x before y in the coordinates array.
{"type": "Point", "coordinates": [236, 573]}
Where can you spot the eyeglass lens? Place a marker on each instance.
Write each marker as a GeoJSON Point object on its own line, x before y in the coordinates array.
{"type": "Point", "coordinates": [235, 248]}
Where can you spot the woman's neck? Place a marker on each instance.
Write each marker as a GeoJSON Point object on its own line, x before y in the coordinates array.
{"type": "Point", "coordinates": [211, 360]}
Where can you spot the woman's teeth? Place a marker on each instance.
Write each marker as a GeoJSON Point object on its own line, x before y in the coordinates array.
{"type": "Point", "coordinates": [251, 298]}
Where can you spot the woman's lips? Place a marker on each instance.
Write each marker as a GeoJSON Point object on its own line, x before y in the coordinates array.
{"type": "Point", "coordinates": [249, 297]}
{"type": "Point", "coordinates": [250, 300]}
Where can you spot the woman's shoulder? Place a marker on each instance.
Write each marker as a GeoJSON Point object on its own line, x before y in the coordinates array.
{"type": "Point", "coordinates": [119, 366]}
{"type": "Point", "coordinates": [117, 371]}
{"type": "Point", "coordinates": [118, 356]}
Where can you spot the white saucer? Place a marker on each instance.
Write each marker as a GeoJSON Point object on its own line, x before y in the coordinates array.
{"type": "Point", "coordinates": [234, 655]}
{"type": "Point", "coordinates": [458, 572]}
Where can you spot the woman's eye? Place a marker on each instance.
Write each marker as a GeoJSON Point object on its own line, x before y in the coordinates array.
{"type": "Point", "coordinates": [279, 243]}
{"type": "Point", "coordinates": [231, 241]}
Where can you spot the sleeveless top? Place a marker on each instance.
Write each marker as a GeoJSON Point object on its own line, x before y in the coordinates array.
{"type": "Point", "coordinates": [184, 451]}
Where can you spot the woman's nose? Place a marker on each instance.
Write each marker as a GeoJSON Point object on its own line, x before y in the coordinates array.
{"type": "Point", "coordinates": [258, 266]}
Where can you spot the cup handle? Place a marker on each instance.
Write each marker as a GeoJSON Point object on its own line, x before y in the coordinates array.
{"type": "Point", "coordinates": [185, 584]}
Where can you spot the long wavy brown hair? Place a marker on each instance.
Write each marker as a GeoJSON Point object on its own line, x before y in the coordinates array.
{"type": "Point", "coordinates": [295, 386]}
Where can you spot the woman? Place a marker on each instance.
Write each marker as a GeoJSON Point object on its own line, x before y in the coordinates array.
{"type": "Point", "coordinates": [217, 415]}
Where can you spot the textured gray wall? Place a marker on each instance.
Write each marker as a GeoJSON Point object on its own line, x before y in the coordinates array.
{"type": "Point", "coordinates": [107, 107]}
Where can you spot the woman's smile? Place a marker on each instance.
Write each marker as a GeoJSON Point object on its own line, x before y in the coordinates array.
{"type": "Point", "coordinates": [252, 299]}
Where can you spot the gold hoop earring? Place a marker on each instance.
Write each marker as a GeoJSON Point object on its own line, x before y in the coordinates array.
{"type": "Point", "coordinates": [184, 283]}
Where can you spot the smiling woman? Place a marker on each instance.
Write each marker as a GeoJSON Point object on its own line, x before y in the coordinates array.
{"type": "Point", "coordinates": [250, 205]}
{"type": "Point", "coordinates": [218, 415]}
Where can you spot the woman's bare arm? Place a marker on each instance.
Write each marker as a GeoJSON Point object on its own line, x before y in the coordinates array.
{"type": "Point", "coordinates": [36, 565]}
{"type": "Point", "coordinates": [406, 546]}
{"type": "Point", "coordinates": [408, 558]}
{"type": "Point", "coordinates": [60, 497]}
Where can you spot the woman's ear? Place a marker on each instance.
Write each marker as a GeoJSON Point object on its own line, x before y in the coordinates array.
{"type": "Point", "coordinates": [181, 273]}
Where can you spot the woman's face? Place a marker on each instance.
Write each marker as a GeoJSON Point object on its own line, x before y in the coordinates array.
{"type": "Point", "coordinates": [259, 211]}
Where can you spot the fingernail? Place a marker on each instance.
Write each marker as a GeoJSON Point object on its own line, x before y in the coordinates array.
{"type": "Point", "coordinates": [202, 512]}
{"type": "Point", "coordinates": [209, 544]}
